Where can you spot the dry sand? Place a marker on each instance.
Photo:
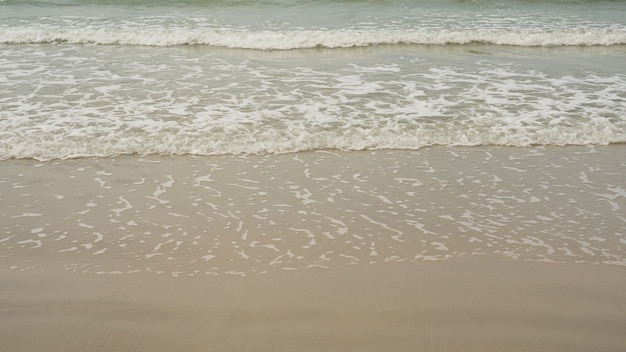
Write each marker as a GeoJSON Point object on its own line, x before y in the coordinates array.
{"type": "Point", "coordinates": [444, 249]}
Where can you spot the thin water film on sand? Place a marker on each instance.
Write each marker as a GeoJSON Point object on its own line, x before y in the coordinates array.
{"type": "Point", "coordinates": [249, 215]}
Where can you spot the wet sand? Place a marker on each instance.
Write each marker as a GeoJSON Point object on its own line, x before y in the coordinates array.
{"type": "Point", "coordinates": [442, 249]}
{"type": "Point", "coordinates": [481, 303]}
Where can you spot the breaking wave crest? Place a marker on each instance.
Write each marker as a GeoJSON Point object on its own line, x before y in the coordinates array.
{"type": "Point", "coordinates": [309, 38]}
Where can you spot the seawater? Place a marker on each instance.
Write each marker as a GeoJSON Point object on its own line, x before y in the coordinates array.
{"type": "Point", "coordinates": [102, 78]}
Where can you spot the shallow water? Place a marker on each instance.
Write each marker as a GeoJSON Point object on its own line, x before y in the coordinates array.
{"type": "Point", "coordinates": [198, 216]}
{"type": "Point", "coordinates": [104, 78]}
{"type": "Point", "coordinates": [67, 100]}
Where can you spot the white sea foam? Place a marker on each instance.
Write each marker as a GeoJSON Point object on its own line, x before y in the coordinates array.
{"type": "Point", "coordinates": [307, 38]}
{"type": "Point", "coordinates": [243, 106]}
{"type": "Point", "coordinates": [164, 80]}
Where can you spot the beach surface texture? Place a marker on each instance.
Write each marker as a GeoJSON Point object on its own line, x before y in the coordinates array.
{"type": "Point", "coordinates": [312, 175]}
{"type": "Point", "coordinates": [491, 249]}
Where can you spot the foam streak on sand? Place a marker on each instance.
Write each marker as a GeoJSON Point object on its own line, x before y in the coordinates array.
{"type": "Point", "coordinates": [255, 214]}
{"type": "Point", "coordinates": [346, 251]}
{"type": "Point", "coordinates": [323, 175]}
{"type": "Point", "coordinates": [350, 251]}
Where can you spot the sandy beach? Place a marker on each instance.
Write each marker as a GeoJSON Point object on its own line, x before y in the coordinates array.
{"type": "Point", "coordinates": [483, 303]}
{"type": "Point", "coordinates": [305, 175]}
{"type": "Point", "coordinates": [441, 249]}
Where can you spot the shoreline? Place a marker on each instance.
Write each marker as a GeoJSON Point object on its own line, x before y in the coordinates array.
{"type": "Point", "coordinates": [442, 249]}
{"type": "Point", "coordinates": [249, 215]}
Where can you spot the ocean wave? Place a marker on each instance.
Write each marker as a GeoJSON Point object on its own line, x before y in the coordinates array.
{"type": "Point", "coordinates": [249, 142]}
{"type": "Point", "coordinates": [302, 39]}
